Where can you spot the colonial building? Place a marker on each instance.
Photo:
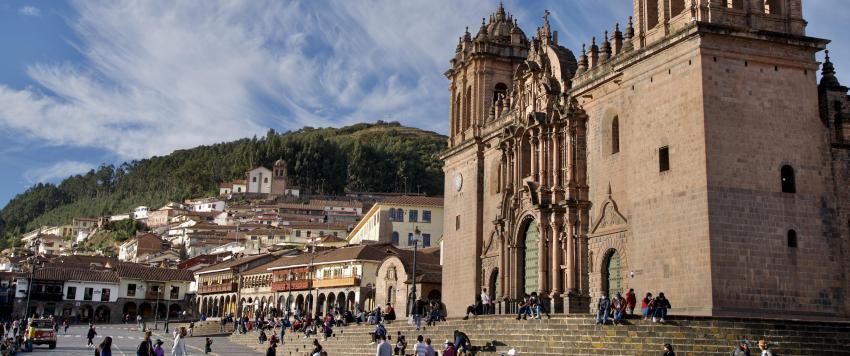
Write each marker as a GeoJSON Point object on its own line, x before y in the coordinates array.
{"type": "Point", "coordinates": [394, 282]}
{"type": "Point", "coordinates": [218, 285]}
{"type": "Point", "coordinates": [395, 219]}
{"type": "Point", "coordinates": [137, 246]}
{"type": "Point", "coordinates": [261, 180]}
{"type": "Point", "coordinates": [689, 152]}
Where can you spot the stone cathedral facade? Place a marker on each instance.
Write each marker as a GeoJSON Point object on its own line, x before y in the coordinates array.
{"type": "Point", "coordinates": [690, 151]}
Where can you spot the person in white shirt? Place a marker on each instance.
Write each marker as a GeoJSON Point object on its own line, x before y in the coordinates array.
{"type": "Point", "coordinates": [420, 349]}
{"type": "Point", "coordinates": [384, 348]}
{"type": "Point", "coordinates": [485, 301]}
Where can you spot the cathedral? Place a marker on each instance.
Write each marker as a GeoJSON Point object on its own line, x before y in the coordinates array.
{"type": "Point", "coordinates": [690, 151]}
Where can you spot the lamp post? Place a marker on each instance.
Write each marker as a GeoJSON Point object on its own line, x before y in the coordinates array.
{"type": "Point", "coordinates": [156, 309]}
{"type": "Point", "coordinates": [32, 262]}
{"type": "Point", "coordinates": [416, 236]}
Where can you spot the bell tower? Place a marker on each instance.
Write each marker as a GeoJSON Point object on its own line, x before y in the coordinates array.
{"type": "Point", "coordinates": [481, 72]}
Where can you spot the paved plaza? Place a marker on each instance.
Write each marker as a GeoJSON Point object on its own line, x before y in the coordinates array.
{"type": "Point", "coordinates": [125, 339]}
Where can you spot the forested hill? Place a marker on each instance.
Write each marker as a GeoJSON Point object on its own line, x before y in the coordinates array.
{"type": "Point", "coordinates": [380, 157]}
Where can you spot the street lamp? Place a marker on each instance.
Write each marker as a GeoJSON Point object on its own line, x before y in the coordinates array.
{"type": "Point", "coordinates": [416, 236]}
{"type": "Point", "coordinates": [156, 309]}
{"type": "Point", "coordinates": [32, 262]}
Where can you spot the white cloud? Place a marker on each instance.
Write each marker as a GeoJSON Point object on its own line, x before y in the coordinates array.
{"type": "Point", "coordinates": [161, 75]}
{"type": "Point", "coordinates": [56, 171]}
{"type": "Point", "coordinates": [30, 11]}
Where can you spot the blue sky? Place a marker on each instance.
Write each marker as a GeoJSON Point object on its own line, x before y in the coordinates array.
{"type": "Point", "coordinates": [89, 82]}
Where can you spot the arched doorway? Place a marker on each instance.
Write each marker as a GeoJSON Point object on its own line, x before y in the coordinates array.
{"type": "Point", "coordinates": [102, 314]}
{"type": "Point", "coordinates": [320, 304]}
{"type": "Point", "coordinates": [130, 309]}
{"type": "Point", "coordinates": [530, 258]}
{"type": "Point", "coordinates": [340, 301]}
{"type": "Point", "coordinates": [299, 302]}
{"type": "Point", "coordinates": [493, 285]}
{"type": "Point", "coordinates": [352, 300]}
{"type": "Point", "coordinates": [612, 274]}
{"type": "Point", "coordinates": [331, 302]}
{"type": "Point", "coordinates": [174, 311]}
{"type": "Point", "coordinates": [146, 310]}
{"type": "Point", "coordinates": [86, 313]}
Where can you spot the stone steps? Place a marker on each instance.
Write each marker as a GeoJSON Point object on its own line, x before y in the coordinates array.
{"type": "Point", "coordinates": [578, 335]}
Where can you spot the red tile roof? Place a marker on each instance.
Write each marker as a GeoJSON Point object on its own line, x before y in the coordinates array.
{"type": "Point", "coordinates": [414, 200]}
{"type": "Point", "coordinates": [142, 272]}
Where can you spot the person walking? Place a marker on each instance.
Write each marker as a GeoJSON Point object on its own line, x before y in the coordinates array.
{"type": "Point", "coordinates": [603, 308]}
{"type": "Point", "coordinates": [65, 324]}
{"type": "Point", "coordinates": [157, 349]}
{"type": "Point", "coordinates": [90, 335]}
{"type": "Point", "coordinates": [384, 348]}
{"type": "Point", "coordinates": [668, 350]}
{"type": "Point", "coordinates": [765, 348]}
{"type": "Point", "coordinates": [105, 347]}
{"type": "Point", "coordinates": [208, 346]}
{"type": "Point", "coordinates": [179, 347]}
{"type": "Point", "coordinates": [191, 328]}
{"type": "Point", "coordinates": [139, 322]}
{"type": "Point", "coordinates": [146, 346]}
{"type": "Point", "coordinates": [272, 350]}
{"type": "Point", "coordinates": [631, 301]}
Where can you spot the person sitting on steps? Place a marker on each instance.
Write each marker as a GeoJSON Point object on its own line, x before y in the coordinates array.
{"type": "Point", "coordinates": [524, 307]}
{"type": "Point", "coordinates": [474, 309]}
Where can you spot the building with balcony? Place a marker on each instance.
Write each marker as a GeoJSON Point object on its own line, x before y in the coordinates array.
{"type": "Point", "coordinates": [218, 284]}
{"type": "Point", "coordinates": [337, 278]}
{"type": "Point", "coordinates": [86, 294]}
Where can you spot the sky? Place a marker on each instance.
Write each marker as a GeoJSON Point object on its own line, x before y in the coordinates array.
{"type": "Point", "coordinates": [85, 83]}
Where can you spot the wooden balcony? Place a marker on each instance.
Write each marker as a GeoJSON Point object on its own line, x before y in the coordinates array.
{"type": "Point", "coordinates": [336, 282]}
{"type": "Point", "coordinates": [283, 286]}
{"type": "Point", "coordinates": [217, 288]}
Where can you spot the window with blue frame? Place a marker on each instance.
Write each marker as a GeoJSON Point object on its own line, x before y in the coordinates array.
{"type": "Point", "coordinates": [426, 216]}
{"type": "Point", "coordinates": [395, 238]}
{"type": "Point", "coordinates": [413, 216]}
{"type": "Point", "coordinates": [410, 239]}
{"type": "Point", "coordinates": [392, 214]}
{"type": "Point", "coordinates": [399, 214]}
{"type": "Point", "coordinates": [426, 240]}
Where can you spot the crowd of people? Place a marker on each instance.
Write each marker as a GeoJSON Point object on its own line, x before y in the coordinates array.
{"type": "Point", "coordinates": [619, 308]}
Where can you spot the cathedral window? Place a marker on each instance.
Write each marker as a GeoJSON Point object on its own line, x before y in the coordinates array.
{"type": "Point", "coordinates": [792, 238]}
{"type": "Point", "coordinates": [499, 91]}
{"type": "Point", "coordinates": [676, 7]}
{"type": "Point", "coordinates": [467, 109]}
{"type": "Point", "coordinates": [773, 7]}
{"type": "Point", "coordinates": [788, 182]}
{"type": "Point", "coordinates": [651, 11]}
{"type": "Point", "coordinates": [615, 135]}
{"type": "Point", "coordinates": [664, 159]}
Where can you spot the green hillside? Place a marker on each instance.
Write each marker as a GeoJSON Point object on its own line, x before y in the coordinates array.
{"type": "Point", "coordinates": [379, 157]}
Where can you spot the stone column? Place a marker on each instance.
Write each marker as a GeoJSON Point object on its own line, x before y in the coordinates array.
{"type": "Point", "coordinates": [556, 158]}
{"type": "Point", "coordinates": [534, 154]}
{"type": "Point", "coordinates": [541, 256]}
{"type": "Point", "coordinates": [502, 265]}
{"type": "Point", "coordinates": [555, 250]}
{"type": "Point", "coordinates": [569, 243]}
